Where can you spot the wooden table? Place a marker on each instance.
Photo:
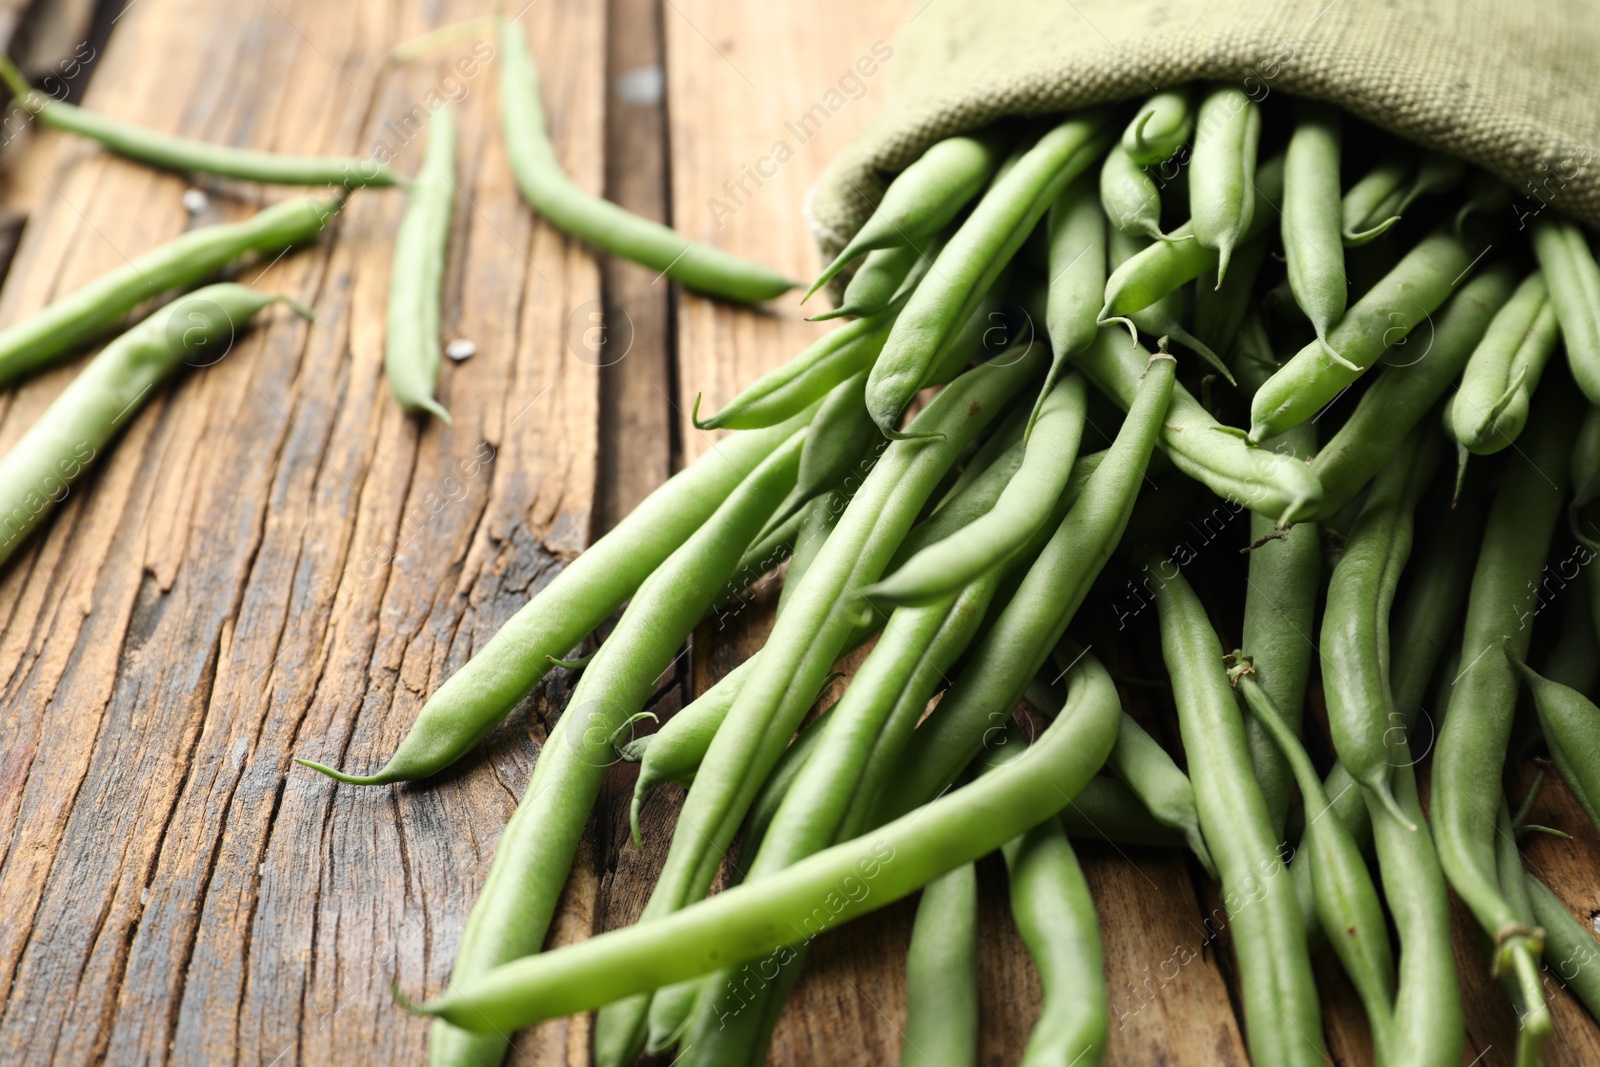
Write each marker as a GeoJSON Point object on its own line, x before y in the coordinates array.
{"type": "Point", "coordinates": [276, 562]}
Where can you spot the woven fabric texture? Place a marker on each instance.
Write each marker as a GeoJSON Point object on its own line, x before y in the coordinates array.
{"type": "Point", "coordinates": [1513, 85]}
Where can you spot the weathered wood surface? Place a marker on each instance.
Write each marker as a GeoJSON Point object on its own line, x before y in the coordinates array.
{"type": "Point", "coordinates": [276, 562]}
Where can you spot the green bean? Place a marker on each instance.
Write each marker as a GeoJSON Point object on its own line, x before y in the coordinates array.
{"type": "Point", "coordinates": [183, 154]}
{"type": "Point", "coordinates": [878, 279]}
{"type": "Point", "coordinates": [1054, 913]}
{"type": "Point", "coordinates": [1282, 1020]}
{"type": "Point", "coordinates": [844, 441]}
{"type": "Point", "coordinates": [1569, 946]}
{"type": "Point", "coordinates": [534, 855]}
{"type": "Point", "coordinates": [830, 360]}
{"type": "Point", "coordinates": [1513, 884]}
{"type": "Point", "coordinates": [1405, 297]}
{"type": "Point", "coordinates": [1571, 725]}
{"type": "Point", "coordinates": [1277, 486]}
{"type": "Point", "coordinates": [1372, 205]}
{"type": "Point", "coordinates": [1166, 266]}
{"type": "Point", "coordinates": [39, 470]}
{"type": "Point", "coordinates": [1472, 745]}
{"type": "Point", "coordinates": [942, 569]}
{"type": "Point", "coordinates": [1108, 810]}
{"type": "Point", "coordinates": [922, 199]}
{"type": "Point", "coordinates": [1311, 217]}
{"type": "Point", "coordinates": [1077, 268]}
{"type": "Point", "coordinates": [411, 340]}
{"type": "Point", "coordinates": [1164, 318]}
{"type": "Point", "coordinates": [1160, 129]}
{"type": "Point", "coordinates": [1020, 639]}
{"type": "Point", "coordinates": [1347, 902]}
{"type": "Point", "coordinates": [804, 644]}
{"type": "Point", "coordinates": [942, 974]}
{"type": "Point", "coordinates": [973, 258]}
{"type": "Point", "coordinates": [1279, 623]}
{"type": "Point", "coordinates": [1491, 405]}
{"type": "Point", "coordinates": [758, 917]}
{"type": "Point", "coordinates": [1429, 1030]}
{"type": "Point", "coordinates": [1574, 278]}
{"type": "Point", "coordinates": [606, 226]}
{"type": "Point", "coordinates": [58, 329]}
{"type": "Point", "coordinates": [1227, 132]}
{"type": "Point", "coordinates": [1129, 196]}
{"type": "Point", "coordinates": [472, 701]}
{"type": "Point", "coordinates": [1355, 624]}
{"type": "Point", "coordinates": [1406, 390]}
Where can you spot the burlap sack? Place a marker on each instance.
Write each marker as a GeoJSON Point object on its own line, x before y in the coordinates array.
{"type": "Point", "coordinates": [1513, 85]}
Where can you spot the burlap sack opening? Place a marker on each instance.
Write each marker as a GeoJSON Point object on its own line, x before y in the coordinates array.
{"type": "Point", "coordinates": [1512, 85]}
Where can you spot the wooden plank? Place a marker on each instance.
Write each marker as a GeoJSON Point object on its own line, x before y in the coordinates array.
{"type": "Point", "coordinates": [277, 561]}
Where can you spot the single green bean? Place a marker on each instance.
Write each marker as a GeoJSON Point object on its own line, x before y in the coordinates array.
{"type": "Point", "coordinates": [1108, 810]}
{"type": "Point", "coordinates": [58, 329]}
{"type": "Point", "coordinates": [1166, 266]}
{"type": "Point", "coordinates": [759, 917]}
{"type": "Point", "coordinates": [830, 360]}
{"type": "Point", "coordinates": [1471, 750]}
{"type": "Point", "coordinates": [1311, 217]}
{"type": "Point", "coordinates": [1283, 1022]}
{"type": "Point", "coordinates": [973, 258]}
{"type": "Point", "coordinates": [606, 226]}
{"type": "Point", "coordinates": [1569, 267]}
{"type": "Point", "coordinates": [1020, 640]}
{"type": "Point", "coordinates": [1165, 317]}
{"type": "Point", "coordinates": [1280, 603]}
{"type": "Point", "coordinates": [1162, 127]}
{"type": "Point", "coordinates": [1281, 487]}
{"type": "Point", "coordinates": [512, 915]}
{"type": "Point", "coordinates": [804, 644]}
{"type": "Point", "coordinates": [411, 342]}
{"type": "Point", "coordinates": [1571, 725]}
{"type": "Point", "coordinates": [1406, 390]}
{"type": "Point", "coordinates": [941, 570]}
{"type": "Point", "coordinates": [942, 975]}
{"type": "Point", "coordinates": [1347, 903]}
{"type": "Point", "coordinates": [1570, 949]}
{"type": "Point", "coordinates": [1491, 405]}
{"type": "Point", "coordinates": [1077, 267]}
{"type": "Point", "coordinates": [1227, 132]}
{"type": "Point", "coordinates": [1129, 195]}
{"type": "Point", "coordinates": [183, 154]}
{"type": "Point", "coordinates": [1373, 204]}
{"type": "Point", "coordinates": [472, 701]}
{"type": "Point", "coordinates": [1355, 623]}
{"type": "Point", "coordinates": [39, 470]}
{"type": "Point", "coordinates": [923, 198]}
{"type": "Point", "coordinates": [1320, 371]}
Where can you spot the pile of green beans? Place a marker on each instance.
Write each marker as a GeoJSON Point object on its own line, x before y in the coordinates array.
{"type": "Point", "coordinates": [983, 482]}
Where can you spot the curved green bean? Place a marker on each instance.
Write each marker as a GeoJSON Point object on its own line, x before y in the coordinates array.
{"type": "Point", "coordinates": [972, 259]}
{"type": "Point", "coordinates": [922, 199]}
{"type": "Point", "coordinates": [1571, 725]}
{"type": "Point", "coordinates": [847, 880]}
{"type": "Point", "coordinates": [1281, 487]}
{"type": "Point", "coordinates": [599, 222]}
{"type": "Point", "coordinates": [169, 152]}
{"type": "Point", "coordinates": [1283, 1022]}
{"type": "Point", "coordinates": [473, 700]}
{"type": "Point", "coordinates": [39, 470]}
{"type": "Point", "coordinates": [1162, 127]}
{"type": "Point", "coordinates": [1406, 390]}
{"type": "Point", "coordinates": [1570, 949]}
{"type": "Point", "coordinates": [942, 569]}
{"type": "Point", "coordinates": [942, 974]}
{"type": "Point", "coordinates": [1129, 196]}
{"type": "Point", "coordinates": [1471, 750]}
{"type": "Point", "coordinates": [1491, 405]}
{"type": "Point", "coordinates": [1372, 205]}
{"type": "Point", "coordinates": [1227, 132]}
{"type": "Point", "coordinates": [1389, 311]}
{"type": "Point", "coordinates": [1312, 246]}
{"type": "Point", "coordinates": [1574, 278]}
{"type": "Point", "coordinates": [1166, 266]}
{"type": "Point", "coordinates": [512, 914]}
{"type": "Point", "coordinates": [55, 331]}
{"type": "Point", "coordinates": [411, 352]}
